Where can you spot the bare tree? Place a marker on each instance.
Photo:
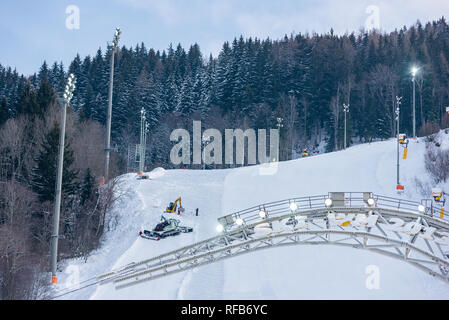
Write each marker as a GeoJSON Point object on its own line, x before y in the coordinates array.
{"type": "Point", "coordinates": [336, 110]}
{"type": "Point", "coordinates": [87, 145]}
{"type": "Point", "coordinates": [383, 85]}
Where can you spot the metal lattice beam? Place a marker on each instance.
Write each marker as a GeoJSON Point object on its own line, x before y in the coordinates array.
{"type": "Point", "coordinates": [282, 228]}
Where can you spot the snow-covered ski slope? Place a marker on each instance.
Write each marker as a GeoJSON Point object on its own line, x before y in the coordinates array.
{"type": "Point", "coordinates": [316, 272]}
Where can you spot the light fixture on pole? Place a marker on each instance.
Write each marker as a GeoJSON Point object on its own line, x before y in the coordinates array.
{"type": "Point", "coordinates": [109, 119]}
{"type": "Point", "coordinates": [414, 72]}
{"type": "Point", "coordinates": [64, 101]}
{"type": "Point", "coordinates": [346, 111]}
{"type": "Point", "coordinates": [280, 123]}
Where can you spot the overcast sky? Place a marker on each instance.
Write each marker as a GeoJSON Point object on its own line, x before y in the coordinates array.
{"type": "Point", "coordinates": [34, 31]}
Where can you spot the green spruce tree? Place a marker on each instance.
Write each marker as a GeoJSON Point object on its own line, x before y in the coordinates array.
{"type": "Point", "coordinates": [87, 188]}
{"type": "Point", "coordinates": [44, 173]}
{"type": "Point", "coordinates": [4, 112]}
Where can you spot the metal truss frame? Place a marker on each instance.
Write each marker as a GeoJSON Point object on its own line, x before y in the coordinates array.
{"type": "Point", "coordinates": [283, 231]}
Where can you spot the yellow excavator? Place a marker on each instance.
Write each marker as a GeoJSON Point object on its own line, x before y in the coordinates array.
{"type": "Point", "coordinates": [173, 207]}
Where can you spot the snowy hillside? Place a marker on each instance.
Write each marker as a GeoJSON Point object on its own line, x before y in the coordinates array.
{"type": "Point", "coordinates": [283, 273]}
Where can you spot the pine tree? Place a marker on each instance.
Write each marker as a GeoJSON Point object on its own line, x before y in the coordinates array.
{"type": "Point", "coordinates": [44, 173]}
{"type": "Point", "coordinates": [185, 104]}
{"type": "Point", "coordinates": [44, 73]}
{"type": "Point", "coordinates": [28, 103]}
{"type": "Point", "coordinates": [45, 96]}
{"type": "Point", "coordinates": [4, 112]}
{"type": "Point", "coordinates": [87, 187]}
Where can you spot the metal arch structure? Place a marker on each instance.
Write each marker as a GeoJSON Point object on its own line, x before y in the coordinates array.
{"type": "Point", "coordinates": [397, 228]}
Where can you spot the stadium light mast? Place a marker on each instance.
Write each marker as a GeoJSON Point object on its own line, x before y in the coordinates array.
{"type": "Point", "coordinates": [109, 120]}
{"type": "Point", "coordinates": [206, 141]}
{"type": "Point", "coordinates": [143, 140]}
{"type": "Point", "coordinates": [346, 111]}
{"type": "Point", "coordinates": [414, 72]}
{"type": "Point", "coordinates": [64, 101]}
{"type": "Point", "coordinates": [398, 110]}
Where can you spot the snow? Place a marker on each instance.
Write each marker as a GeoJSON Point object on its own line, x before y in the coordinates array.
{"type": "Point", "coordinates": [156, 173]}
{"type": "Point", "coordinates": [300, 272]}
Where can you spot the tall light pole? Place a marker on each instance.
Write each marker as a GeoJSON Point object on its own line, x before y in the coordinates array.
{"type": "Point", "coordinates": [345, 110]}
{"type": "Point", "coordinates": [109, 120]}
{"type": "Point", "coordinates": [143, 140]}
{"type": "Point", "coordinates": [280, 125]}
{"type": "Point", "coordinates": [398, 110]}
{"type": "Point", "coordinates": [206, 141]}
{"type": "Point", "coordinates": [64, 101]}
{"type": "Point", "coordinates": [414, 72]}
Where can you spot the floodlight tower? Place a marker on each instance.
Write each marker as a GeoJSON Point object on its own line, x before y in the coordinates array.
{"type": "Point", "coordinates": [111, 88]}
{"type": "Point", "coordinates": [280, 125]}
{"type": "Point", "coordinates": [143, 140]}
{"type": "Point", "coordinates": [206, 141]}
{"type": "Point", "coordinates": [64, 101]}
{"type": "Point", "coordinates": [398, 110]}
{"type": "Point", "coordinates": [346, 111]}
{"type": "Point", "coordinates": [414, 72]}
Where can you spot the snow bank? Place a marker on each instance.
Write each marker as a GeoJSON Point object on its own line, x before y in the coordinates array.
{"type": "Point", "coordinates": [156, 173]}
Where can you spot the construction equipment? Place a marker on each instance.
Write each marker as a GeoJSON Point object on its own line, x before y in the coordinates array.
{"type": "Point", "coordinates": [165, 229]}
{"type": "Point", "coordinates": [173, 207]}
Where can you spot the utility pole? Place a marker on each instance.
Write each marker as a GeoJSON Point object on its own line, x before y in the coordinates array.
{"type": "Point", "coordinates": [345, 110]}
{"type": "Point", "coordinates": [398, 110]}
{"type": "Point", "coordinates": [64, 101]}
{"type": "Point", "coordinates": [109, 120]}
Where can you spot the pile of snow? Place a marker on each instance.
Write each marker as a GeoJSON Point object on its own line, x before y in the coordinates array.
{"type": "Point", "coordinates": [301, 272]}
{"type": "Point", "coordinates": [156, 173]}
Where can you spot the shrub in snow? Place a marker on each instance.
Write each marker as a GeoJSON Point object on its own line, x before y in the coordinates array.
{"type": "Point", "coordinates": [437, 163]}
